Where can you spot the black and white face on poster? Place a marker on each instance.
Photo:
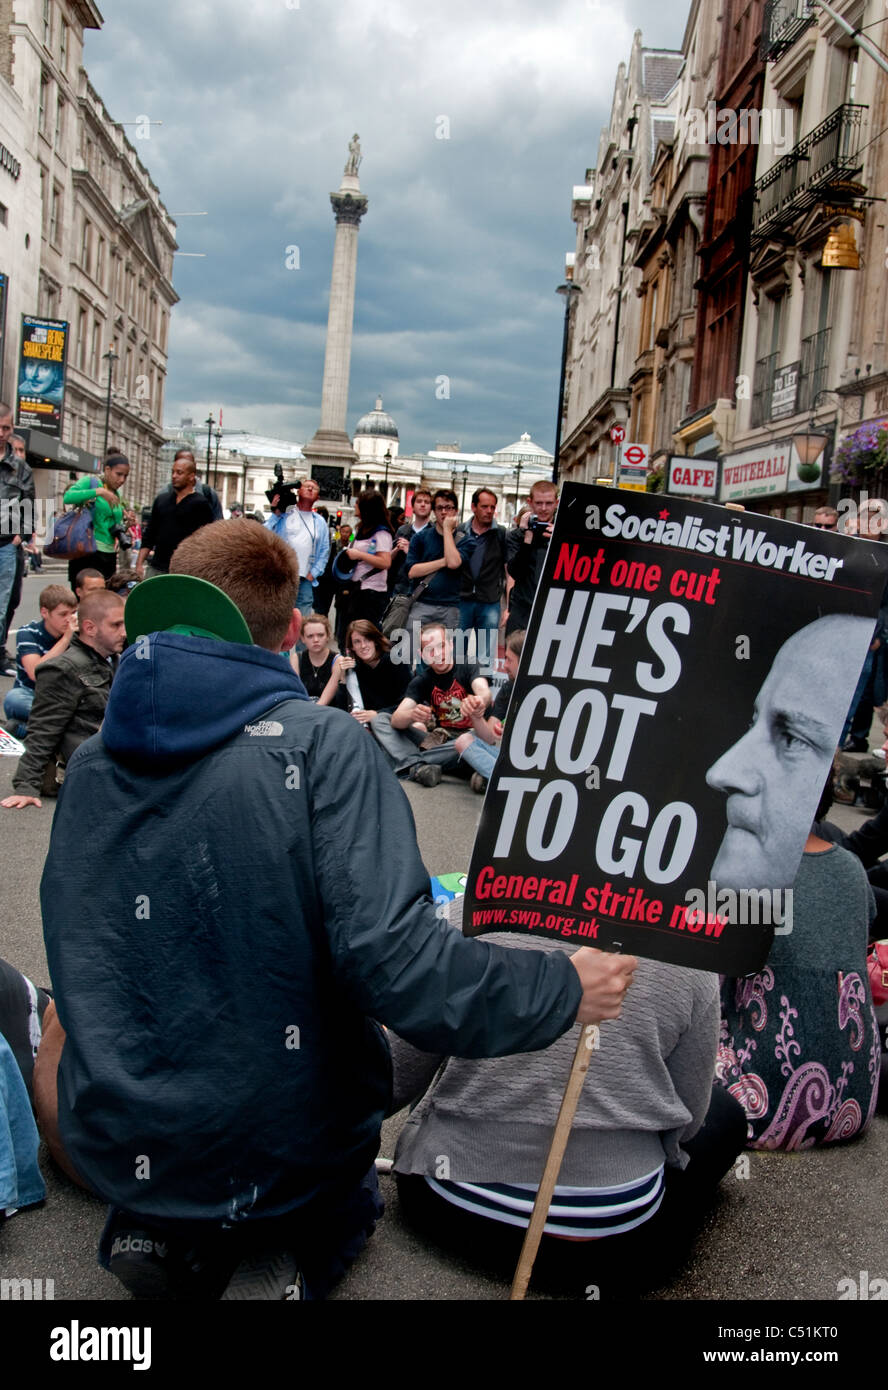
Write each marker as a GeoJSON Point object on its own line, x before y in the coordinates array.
{"type": "Point", "coordinates": [684, 682]}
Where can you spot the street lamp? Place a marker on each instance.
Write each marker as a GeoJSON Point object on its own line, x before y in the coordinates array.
{"type": "Point", "coordinates": [110, 357]}
{"type": "Point", "coordinates": [811, 439]}
{"type": "Point", "coordinates": [567, 289]}
{"type": "Point", "coordinates": [462, 505]}
{"type": "Point", "coordinates": [218, 436]}
{"type": "Point", "coordinates": [209, 422]}
{"type": "Point", "coordinates": [387, 460]}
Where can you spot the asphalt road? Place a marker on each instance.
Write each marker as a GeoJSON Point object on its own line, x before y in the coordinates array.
{"type": "Point", "coordinates": [789, 1227]}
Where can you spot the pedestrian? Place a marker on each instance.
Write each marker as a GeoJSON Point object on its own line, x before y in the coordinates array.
{"type": "Point", "coordinates": [527, 545]}
{"type": "Point", "coordinates": [481, 545]}
{"type": "Point", "coordinates": [426, 559]}
{"type": "Point", "coordinates": [295, 521]}
{"type": "Point", "coordinates": [107, 510]}
{"type": "Point", "coordinates": [208, 492]}
{"type": "Point", "coordinates": [399, 582]}
{"type": "Point", "coordinates": [371, 549]}
{"type": "Point", "coordinates": [17, 498]}
{"type": "Point", "coordinates": [176, 513]}
{"type": "Point", "coordinates": [221, 996]}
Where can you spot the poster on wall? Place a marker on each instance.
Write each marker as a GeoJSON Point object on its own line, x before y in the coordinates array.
{"type": "Point", "coordinates": [41, 381]}
{"type": "Point", "coordinates": [663, 757]}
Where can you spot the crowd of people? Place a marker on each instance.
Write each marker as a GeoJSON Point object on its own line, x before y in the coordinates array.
{"type": "Point", "coordinates": [219, 1080]}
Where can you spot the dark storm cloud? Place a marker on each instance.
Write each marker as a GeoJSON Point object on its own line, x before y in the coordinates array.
{"type": "Point", "coordinates": [464, 240]}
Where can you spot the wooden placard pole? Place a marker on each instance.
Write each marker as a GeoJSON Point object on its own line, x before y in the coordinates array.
{"type": "Point", "coordinates": [587, 1042]}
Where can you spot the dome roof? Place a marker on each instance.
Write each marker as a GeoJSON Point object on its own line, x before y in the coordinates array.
{"type": "Point", "coordinates": [523, 448]}
{"type": "Point", "coordinates": [377, 422]}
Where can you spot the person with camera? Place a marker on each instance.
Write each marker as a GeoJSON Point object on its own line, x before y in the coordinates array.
{"type": "Point", "coordinates": [174, 516]}
{"type": "Point", "coordinates": [108, 524]}
{"type": "Point", "coordinates": [527, 545]}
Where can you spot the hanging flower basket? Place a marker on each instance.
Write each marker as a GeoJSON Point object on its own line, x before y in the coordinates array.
{"type": "Point", "coordinates": [862, 454]}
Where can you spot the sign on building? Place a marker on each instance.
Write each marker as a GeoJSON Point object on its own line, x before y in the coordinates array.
{"type": "Point", "coordinates": [41, 383]}
{"type": "Point", "coordinates": [784, 390]}
{"type": "Point", "coordinates": [691, 477]}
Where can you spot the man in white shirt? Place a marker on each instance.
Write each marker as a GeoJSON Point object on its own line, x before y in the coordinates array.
{"type": "Point", "coordinates": [304, 531]}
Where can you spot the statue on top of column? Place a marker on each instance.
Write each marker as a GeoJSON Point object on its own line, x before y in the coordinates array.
{"type": "Point", "coordinates": [354, 155]}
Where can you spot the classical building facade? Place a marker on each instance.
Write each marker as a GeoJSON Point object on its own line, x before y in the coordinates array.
{"type": "Point", "coordinates": [666, 242]}
{"type": "Point", "coordinates": [609, 211]}
{"type": "Point", "coordinates": [100, 253]}
{"type": "Point", "coordinates": [810, 339]}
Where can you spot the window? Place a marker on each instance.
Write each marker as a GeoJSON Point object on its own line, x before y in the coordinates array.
{"type": "Point", "coordinates": [4, 215]}
{"type": "Point", "coordinates": [55, 219]}
{"type": "Point", "coordinates": [86, 247]}
{"type": "Point", "coordinates": [94, 350]}
{"type": "Point", "coordinates": [63, 48]}
{"type": "Point", "coordinates": [60, 120]}
{"type": "Point", "coordinates": [100, 263]}
{"type": "Point", "coordinates": [47, 22]}
{"type": "Point", "coordinates": [44, 100]}
{"type": "Point", "coordinates": [652, 331]}
{"type": "Point", "coordinates": [82, 328]}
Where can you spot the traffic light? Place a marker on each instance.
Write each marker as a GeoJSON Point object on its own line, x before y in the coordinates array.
{"type": "Point", "coordinates": [339, 517]}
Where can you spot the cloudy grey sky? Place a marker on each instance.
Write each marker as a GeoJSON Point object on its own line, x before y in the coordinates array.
{"type": "Point", "coordinates": [463, 242]}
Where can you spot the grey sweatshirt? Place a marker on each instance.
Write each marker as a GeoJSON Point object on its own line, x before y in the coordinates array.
{"type": "Point", "coordinates": [648, 1087]}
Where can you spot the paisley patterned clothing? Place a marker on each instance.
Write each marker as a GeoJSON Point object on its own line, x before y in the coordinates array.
{"type": "Point", "coordinates": [799, 1044]}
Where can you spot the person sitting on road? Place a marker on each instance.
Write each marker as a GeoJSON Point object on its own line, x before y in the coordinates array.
{"type": "Point", "coordinates": [444, 697]}
{"type": "Point", "coordinates": [70, 697]}
{"type": "Point", "coordinates": [799, 1043]}
{"type": "Point", "coordinates": [318, 664]}
{"type": "Point", "coordinates": [650, 1141]}
{"type": "Point", "coordinates": [37, 642]}
{"type": "Point", "coordinates": [380, 682]}
{"type": "Point", "coordinates": [22, 1009]}
{"type": "Point", "coordinates": [88, 581]}
{"type": "Point", "coordinates": [480, 748]}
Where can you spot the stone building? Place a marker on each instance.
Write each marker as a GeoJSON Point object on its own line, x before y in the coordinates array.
{"type": "Point", "coordinates": [101, 250]}
{"type": "Point", "coordinates": [666, 239]}
{"type": "Point", "coordinates": [609, 210]}
{"type": "Point", "coordinates": [809, 331]}
{"type": "Point", "coordinates": [704, 426]}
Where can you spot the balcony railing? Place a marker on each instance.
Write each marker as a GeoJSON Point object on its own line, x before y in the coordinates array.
{"type": "Point", "coordinates": [762, 384]}
{"type": "Point", "coordinates": [828, 155]}
{"type": "Point", "coordinates": [784, 21]}
{"type": "Point", "coordinates": [814, 369]}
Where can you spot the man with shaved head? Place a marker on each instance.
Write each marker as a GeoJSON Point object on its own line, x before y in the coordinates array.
{"type": "Point", "coordinates": [70, 697]}
{"type": "Point", "coordinates": [774, 774]}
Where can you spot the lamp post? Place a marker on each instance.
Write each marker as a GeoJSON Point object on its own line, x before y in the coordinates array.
{"type": "Point", "coordinates": [209, 422]}
{"type": "Point", "coordinates": [517, 489]}
{"type": "Point", "coordinates": [387, 460]}
{"type": "Point", "coordinates": [811, 439]}
{"type": "Point", "coordinates": [217, 433]}
{"type": "Point", "coordinates": [462, 505]}
{"type": "Point", "coordinates": [567, 289]}
{"type": "Point", "coordinates": [110, 357]}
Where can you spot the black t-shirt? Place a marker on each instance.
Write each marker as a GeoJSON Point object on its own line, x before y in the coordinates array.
{"type": "Point", "coordinates": [315, 678]}
{"type": "Point", "coordinates": [171, 522]}
{"type": "Point", "coordinates": [383, 687]}
{"type": "Point", "coordinates": [500, 705]}
{"type": "Point", "coordinates": [444, 693]}
{"type": "Point", "coordinates": [22, 1006]}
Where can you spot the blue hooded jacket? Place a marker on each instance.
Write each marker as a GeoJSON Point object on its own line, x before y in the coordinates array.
{"type": "Point", "coordinates": [250, 898]}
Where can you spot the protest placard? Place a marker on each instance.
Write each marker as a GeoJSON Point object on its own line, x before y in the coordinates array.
{"type": "Point", "coordinates": [684, 682]}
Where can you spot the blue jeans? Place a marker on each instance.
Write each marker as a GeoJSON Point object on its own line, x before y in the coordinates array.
{"type": "Point", "coordinates": [17, 705]}
{"type": "Point", "coordinates": [8, 573]}
{"type": "Point", "coordinates": [481, 756]}
{"type": "Point", "coordinates": [21, 1183]}
{"type": "Point", "coordinates": [483, 619]}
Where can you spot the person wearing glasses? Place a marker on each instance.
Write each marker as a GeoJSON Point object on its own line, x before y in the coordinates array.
{"type": "Point", "coordinates": [826, 519]}
{"type": "Point", "coordinates": [439, 602]}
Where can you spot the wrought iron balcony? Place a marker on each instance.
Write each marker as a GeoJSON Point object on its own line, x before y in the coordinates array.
{"type": "Point", "coordinates": [784, 21]}
{"type": "Point", "coordinates": [827, 156]}
{"type": "Point", "coordinates": [761, 390]}
{"type": "Point", "coordinates": [815, 366]}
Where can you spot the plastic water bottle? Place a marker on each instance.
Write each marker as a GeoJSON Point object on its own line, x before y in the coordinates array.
{"type": "Point", "coordinates": [354, 690]}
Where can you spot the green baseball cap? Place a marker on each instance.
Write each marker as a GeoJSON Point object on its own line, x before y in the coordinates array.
{"type": "Point", "coordinates": [180, 603]}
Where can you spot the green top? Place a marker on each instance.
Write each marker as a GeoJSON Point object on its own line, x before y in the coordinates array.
{"type": "Point", "coordinates": [104, 516]}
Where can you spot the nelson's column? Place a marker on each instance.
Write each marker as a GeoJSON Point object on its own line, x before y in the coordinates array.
{"type": "Point", "coordinates": [331, 446]}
